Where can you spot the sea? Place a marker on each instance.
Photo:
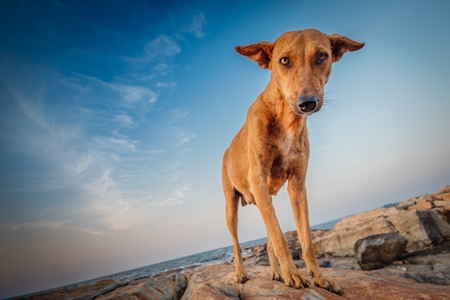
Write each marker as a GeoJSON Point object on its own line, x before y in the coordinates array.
{"type": "Point", "coordinates": [224, 254]}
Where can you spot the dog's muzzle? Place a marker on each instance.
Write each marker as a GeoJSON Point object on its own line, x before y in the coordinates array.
{"type": "Point", "coordinates": [307, 104]}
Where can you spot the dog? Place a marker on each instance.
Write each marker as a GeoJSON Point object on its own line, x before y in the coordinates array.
{"type": "Point", "coordinates": [272, 147]}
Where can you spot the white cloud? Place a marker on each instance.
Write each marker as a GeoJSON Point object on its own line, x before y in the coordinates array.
{"type": "Point", "coordinates": [109, 202]}
{"type": "Point", "coordinates": [84, 162]}
{"type": "Point", "coordinates": [184, 137]}
{"type": "Point", "coordinates": [166, 85]}
{"type": "Point", "coordinates": [116, 144]}
{"type": "Point", "coordinates": [134, 94]}
{"type": "Point", "coordinates": [178, 114]}
{"type": "Point", "coordinates": [158, 49]}
{"type": "Point", "coordinates": [177, 196]}
{"type": "Point", "coordinates": [125, 120]}
{"type": "Point", "coordinates": [162, 45]}
{"type": "Point", "coordinates": [197, 25]}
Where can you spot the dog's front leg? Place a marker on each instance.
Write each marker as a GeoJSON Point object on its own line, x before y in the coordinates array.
{"type": "Point", "coordinates": [297, 194]}
{"type": "Point", "coordinates": [274, 265]}
{"type": "Point", "coordinates": [291, 275]}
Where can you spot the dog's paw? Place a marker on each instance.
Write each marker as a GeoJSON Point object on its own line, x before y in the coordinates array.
{"type": "Point", "coordinates": [241, 277]}
{"type": "Point", "coordinates": [327, 284]}
{"type": "Point", "coordinates": [276, 272]}
{"type": "Point", "coordinates": [277, 276]}
{"type": "Point", "coordinates": [296, 280]}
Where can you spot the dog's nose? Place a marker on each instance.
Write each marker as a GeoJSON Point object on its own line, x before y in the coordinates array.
{"type": "Point", "coordinates": [307, 103]}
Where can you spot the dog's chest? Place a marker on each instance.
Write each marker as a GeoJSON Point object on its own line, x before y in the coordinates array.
{"type": "Point", "coordinates": [289, 145]}
{"type": "Point", "coordinates": [285, 161]}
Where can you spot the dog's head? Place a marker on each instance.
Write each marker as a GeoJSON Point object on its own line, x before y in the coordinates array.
{"type": "Point", "coordinates": [301, 64]}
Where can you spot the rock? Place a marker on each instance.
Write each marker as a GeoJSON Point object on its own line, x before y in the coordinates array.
{"type": "Point", "coordinates": [340, 240]}
{"type": "Point", "coordinates": [444, 213]}
{"type": "Point", "coordinates": [294, 244]}
{"type": "Point", "coordinates": [417, 202]}
{"type": "Point", "coordinates": [415, 219]}
{"type": "Point", "coordinates": [443, 194]}
{"type": "Point", "coordinates": [217, 282]}
{"type": "Point", "coordinates": [444, 190]}
{"type": "Point", "coordinates": [377, 251]}
{"type": "Point", "coordinates": [439, 203]}
{"type": "Point", "coordinates": [347, 263]}
{"type": "Point", "coordinates": [444, 197]}
{"type": "Point", "coordinates": [84, 292]}
{"type": "Point", "coordinates": [431, 268]}
{"type": "Point", "coordinates": [421, 274]}
{"type": "Point", "coordinates": [435, 261]}
{"type": "Point", "coordinates": [407, 203]}
{"type": "Point", "coordinates": [157, 288]}
{"type": "Point", "coordinates": [435, 225]}
{"type": "Point", "coordinates": [258, 254]}
{"type": "Point", "coordinates": [170, 286]}
{"type": "Point", "coordinates": [422, 206]}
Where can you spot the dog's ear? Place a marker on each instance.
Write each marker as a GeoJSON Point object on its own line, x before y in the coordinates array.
{"type": "Point", "coordinates": [260, 53]}
{"type": "Point", "coordinates": [341, 44]}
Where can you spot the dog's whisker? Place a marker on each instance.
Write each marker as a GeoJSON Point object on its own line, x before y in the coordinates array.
{"type": "Point", "coordinates": [327, 105]}
{"type": "Point", "coordinates": [331, 103]}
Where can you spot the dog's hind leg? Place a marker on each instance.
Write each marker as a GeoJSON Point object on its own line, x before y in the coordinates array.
{"type": "Point", "coordinates": [274, 265]}
{"type": "Point", "coordinates": [232, 202]}
{"type": "Point", "coordinates": [232, 223]}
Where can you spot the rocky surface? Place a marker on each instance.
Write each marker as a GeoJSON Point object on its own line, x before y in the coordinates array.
{"type": "Point", "coordinates": [426, 231]}
{"type": "Point", "coordinates": [90, 291]}
{"type": "Point", "coordinates": [424, 221]}
{"type": "Point", "coordinates": [217, 282]}
{"type": "Point", "coordinates": [422, 272]}
{"type": "Point", "coordinates": [356, 285]}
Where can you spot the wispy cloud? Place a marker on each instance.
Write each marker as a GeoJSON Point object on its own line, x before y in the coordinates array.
{"type": "Point", "coordinates": [184, 137]}
{"type": "Point", "coordinates": [130, 94]}
{"type": "Point", "coordinates": [124, 120]}
{"type": "Point", "coordinates": [178, 114]}
{"type": "Point", "coordinates": [104, 167]}
{"type": "Point", "coordinates": [135, 94]}
{"type": "Point", "coordinates": [197, 25]}
{"type": "Point", "coordinates": [116, 144]}
{"type": "Point", "coordinates": [176, 197]}
{"type": "Point", "coordinates": [166, 85]}
{"type": "Point", "coordinates": [163, 45]}
{"type": "Point", "coordinates": [103, 141]}
{"type": "Point", "coordinates": [9, 226]}
{"type": "Point", "coordinates": [46, 224]}
{"type": "Point", "coordinates": [156, 53]}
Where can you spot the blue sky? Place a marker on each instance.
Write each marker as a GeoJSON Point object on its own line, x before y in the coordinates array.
{"type": "Point", "coordinates": [114, 117]}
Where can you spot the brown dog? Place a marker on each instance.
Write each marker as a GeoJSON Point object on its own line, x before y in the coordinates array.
{"type": "Point", "coordinates": [272, 147]}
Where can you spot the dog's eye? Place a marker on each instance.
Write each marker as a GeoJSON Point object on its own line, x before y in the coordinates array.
{"type": "Point", "coordinates": [285, 61]}
{"type": "Point", "coordinates": [321, 57]}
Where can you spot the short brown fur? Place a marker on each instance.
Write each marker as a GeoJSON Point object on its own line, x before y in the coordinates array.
{"type": "Point", "coordinates": [272, 147]}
